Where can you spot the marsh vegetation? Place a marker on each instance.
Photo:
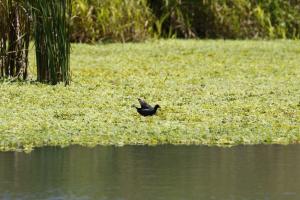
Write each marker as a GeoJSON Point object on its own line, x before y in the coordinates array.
{"type": "Point", "coordinates": [48, 23]}
{"type": "Point", "coordinates": [220, 92]}
{"type": "Point", "coordinates": [212, 92]}
{"type": "Point", "coordinates": [137, 20]}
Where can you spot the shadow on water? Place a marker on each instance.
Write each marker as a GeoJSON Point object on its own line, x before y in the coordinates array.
{"type": "Point", "coordinates": [161, 172]}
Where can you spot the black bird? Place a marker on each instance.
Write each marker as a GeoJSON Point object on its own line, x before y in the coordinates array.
{"type": "Point", "coordinates": [146, 109]}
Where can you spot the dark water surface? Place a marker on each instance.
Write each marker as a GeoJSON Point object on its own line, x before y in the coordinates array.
{"type": "Point", "coordinates": [162, 172]}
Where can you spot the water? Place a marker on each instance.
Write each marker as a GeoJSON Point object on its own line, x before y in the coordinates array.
{"type": "Point", "coordinates": [162, 172]}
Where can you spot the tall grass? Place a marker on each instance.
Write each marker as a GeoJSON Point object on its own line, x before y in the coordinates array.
{"type": "Point", "coordinates": [229, 18]}
{"type": "Point", "coordinates": [111, 20]}
{"type": "Point", "coordinates": [14, 39]}
{"type": "Point", "coordinates": [51, 35]}
{"type": "Point", "coordinates": [134, 20]}
{"type": "Point", "coordinates": [3, 35]}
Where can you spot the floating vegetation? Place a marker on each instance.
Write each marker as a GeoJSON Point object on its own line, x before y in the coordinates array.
{"type": "Point", "coordinates": [210, 92]}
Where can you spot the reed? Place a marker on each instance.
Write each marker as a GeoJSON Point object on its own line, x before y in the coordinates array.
{"type": "Point", "coordinates": [137, 20]}
{"type": "Point", "coordinates": [111, 20]}
{"type": "Point", "coordinates": [3, 35]}
{"type": "Point", "coordinates": [51, 36]}
{"type": "Point", "coordinates": [14, 39]}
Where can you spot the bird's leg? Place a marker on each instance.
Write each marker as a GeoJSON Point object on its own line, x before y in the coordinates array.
{"type": "Point", "coordinates": [133, 106]}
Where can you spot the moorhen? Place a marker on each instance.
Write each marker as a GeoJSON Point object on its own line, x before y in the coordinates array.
{"type": "Point", "coordinates": [146, 109]}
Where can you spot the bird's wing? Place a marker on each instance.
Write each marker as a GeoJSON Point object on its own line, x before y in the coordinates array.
{"type": "Point", "coordinates": [144, 104]}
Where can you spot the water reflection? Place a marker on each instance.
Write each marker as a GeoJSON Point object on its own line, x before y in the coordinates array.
{"type": "Point", "coordinates": [163, 172]}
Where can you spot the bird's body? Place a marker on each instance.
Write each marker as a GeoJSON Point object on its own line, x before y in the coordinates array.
{"type": "Point", "coordinates": [146, 109]}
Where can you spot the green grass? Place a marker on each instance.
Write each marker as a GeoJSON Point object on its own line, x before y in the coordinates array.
{"type": "Point", "coordinates": [211, 92]}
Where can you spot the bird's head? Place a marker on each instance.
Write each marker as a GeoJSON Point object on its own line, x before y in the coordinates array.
{"type": "Point", "coordinates": [156, 106]}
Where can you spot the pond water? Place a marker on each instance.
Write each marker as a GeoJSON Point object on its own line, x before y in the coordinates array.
{"type": "Point", "coordinates": [162, 172]}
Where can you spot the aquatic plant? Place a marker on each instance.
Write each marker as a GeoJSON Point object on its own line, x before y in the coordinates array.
{"type": "Point", "coordinates": [138, 20]}
{"type": "Point", "coordinates": [14, 38]}
{"type": "Point", "coordinates": [51, 35]}
{"type": "Point", "coordinates": [212, 92]}
{"type": "Point", "coordinates": [111, 20]}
